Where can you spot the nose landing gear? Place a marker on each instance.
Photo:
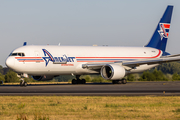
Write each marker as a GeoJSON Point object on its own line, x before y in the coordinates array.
{"type": "Point", "coordinates": [22, 82]}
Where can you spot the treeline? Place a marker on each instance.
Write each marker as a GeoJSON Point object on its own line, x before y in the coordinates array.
{"type": "Point", "coordinates": [11, 77]}
{"type": "Point", "coordinates": [164, 72]}
{"type": "Point", "coordinates": [155, 75]}
{"type": "Point", "coordinates": [169, 68]}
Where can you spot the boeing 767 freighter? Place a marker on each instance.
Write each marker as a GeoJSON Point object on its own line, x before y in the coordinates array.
{"type": "Point", "coordinates": [43, 62]}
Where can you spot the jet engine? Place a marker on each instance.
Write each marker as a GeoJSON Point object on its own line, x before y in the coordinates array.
{"type": "Point", "coordinates": [113, 72]}
{"type": "Point", "coordinates": [42, 78]}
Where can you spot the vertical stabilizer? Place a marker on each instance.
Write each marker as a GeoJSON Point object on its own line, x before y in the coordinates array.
{"type": "Point", "coordinates": [160, 36]}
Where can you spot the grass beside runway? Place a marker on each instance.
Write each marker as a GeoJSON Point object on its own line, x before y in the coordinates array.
{"type": "Point", "coordinates": [95, 107]}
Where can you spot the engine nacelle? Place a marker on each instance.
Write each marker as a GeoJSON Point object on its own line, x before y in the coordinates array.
{"type": "Point", "coordinates": [42, 78]}
{"type": "Point", "coordinates": [113, 72]}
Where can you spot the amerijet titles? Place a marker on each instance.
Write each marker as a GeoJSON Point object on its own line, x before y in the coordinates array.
{"type": "Point", "coordinates": [49, 57]}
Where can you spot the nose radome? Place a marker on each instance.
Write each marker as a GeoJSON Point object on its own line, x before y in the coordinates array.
{"type": "Point", "coordinates": [10, 62]}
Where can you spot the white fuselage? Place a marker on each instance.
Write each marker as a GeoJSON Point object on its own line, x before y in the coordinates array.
{"type": "Point", "coordinates": [40, 60]}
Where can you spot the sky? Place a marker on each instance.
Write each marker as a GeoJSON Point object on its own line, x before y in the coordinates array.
{"type": "Point", "coordinates": [84, 23]}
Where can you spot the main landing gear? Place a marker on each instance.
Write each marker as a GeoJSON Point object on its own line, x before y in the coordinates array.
{"type": "Point", "coordinates": [123, 81]}
{"type": "Point", "coordinates": [78, 81]}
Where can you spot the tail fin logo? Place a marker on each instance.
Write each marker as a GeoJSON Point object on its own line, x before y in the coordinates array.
{"type": "Point", "coordinates": [164, 30]}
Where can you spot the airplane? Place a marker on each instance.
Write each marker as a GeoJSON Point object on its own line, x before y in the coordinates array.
{"type": "Point", "coordinates": [44, 62]}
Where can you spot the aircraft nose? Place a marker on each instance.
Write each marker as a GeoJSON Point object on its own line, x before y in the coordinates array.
{"type": "Point", "coordinates": [10, 62]}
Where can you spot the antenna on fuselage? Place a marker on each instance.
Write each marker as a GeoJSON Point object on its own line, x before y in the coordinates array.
{"type": "Point", "coordinates": [25, 43]}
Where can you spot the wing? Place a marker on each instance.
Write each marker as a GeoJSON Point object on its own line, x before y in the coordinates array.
{"type": "Point", "coordinates": [150, 61]}
{"type": "Point", "coordinates": [135, 63]}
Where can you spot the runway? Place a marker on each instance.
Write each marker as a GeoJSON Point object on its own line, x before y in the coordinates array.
{"type": "Point", "coordinates": [95, 89]}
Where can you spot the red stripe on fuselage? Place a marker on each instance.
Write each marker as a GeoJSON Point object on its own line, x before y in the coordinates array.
{"type": "Point", "coordinates": [28, 57]}
{"type": "Point", "coordinates": [98, 61]}
{"type": "Point", "coordinates": [31, 60]}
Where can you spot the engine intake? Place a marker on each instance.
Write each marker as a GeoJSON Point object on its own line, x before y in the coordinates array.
{"type": "Point", "coordinates": [113, 72]}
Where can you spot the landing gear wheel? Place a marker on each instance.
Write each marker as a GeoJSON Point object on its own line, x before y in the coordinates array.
{"type": "Point", "coordinates": [83, 81]}
{"type": "Point", "coordinates": [78, 81]}
{"type": "Point", "coordinates": [21, 83]}
{"type": "Point", "coordinates": [114, 81]}
{"type": "Point", "coordinates": [119, 82]}
{"type": "Point", "coordinates": [25, 84]}
{"type": "Point", "coordinates": [74, 81]}
{"type": "Point", "coordinates": [124, 81]}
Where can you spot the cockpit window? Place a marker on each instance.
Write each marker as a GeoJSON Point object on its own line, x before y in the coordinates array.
{"type": "Point", "coordinates": [13, 54]}
{"type": "Point", "coordinates": [17, 54]}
